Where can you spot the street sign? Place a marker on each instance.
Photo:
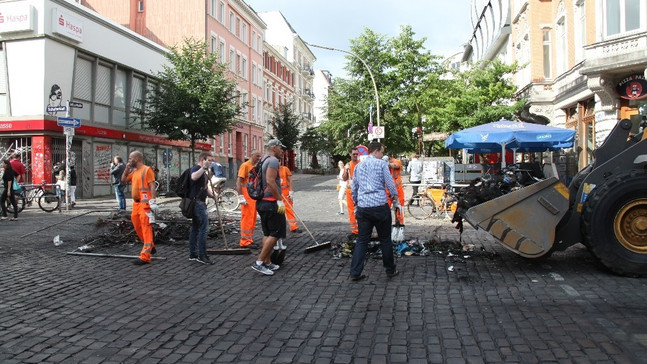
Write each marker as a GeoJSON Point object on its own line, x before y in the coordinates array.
{"type": "Point", "coordinates": [68, 130]}
{"type": "Point", "coordinates": [54, 109]}
{"type": "Point", "coordinates": [71, 122]}
{"type": "Point", "coordinates": [378, 132]}
{"type": "Point", "coordinates": [77, 105]}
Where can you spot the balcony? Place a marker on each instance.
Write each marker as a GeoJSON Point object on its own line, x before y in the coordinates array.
{"type": "Point", "coordinates": [307, 71]}
{"type": "Point", "coordinates": [619, 54]}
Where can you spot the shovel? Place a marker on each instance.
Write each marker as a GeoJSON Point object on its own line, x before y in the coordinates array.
{"type": "Point", "coordinates": [226, 251]}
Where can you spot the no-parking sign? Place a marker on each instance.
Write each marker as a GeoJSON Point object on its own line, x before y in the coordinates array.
{"type": "Point", "coordinates": [378, 132]}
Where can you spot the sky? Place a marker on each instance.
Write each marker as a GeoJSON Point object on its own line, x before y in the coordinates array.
{"type": "Point", "coordinates": [332, 23]}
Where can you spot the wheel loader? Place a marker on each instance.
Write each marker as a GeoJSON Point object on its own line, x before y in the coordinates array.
{"type": "Point", "coordinates": [604, 208]}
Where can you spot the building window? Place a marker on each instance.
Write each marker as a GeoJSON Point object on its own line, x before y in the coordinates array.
{"type": "Point", "coordinates": [229, 142]}
{"type": "Point", "coordinates": [221, 52]}
{"type": "Point", "coordinates": [214, 44]}
{"type": "Point", "coordinates": [136, 102]}
{"type": "Point", "coordinates": [222, 143]}
{"type": "Point", "coordinates": [119, 98]}
{"type": "Point", "coordinates": [580, 30]}
{"type": "Point", "coordinates": [221, 12]}
{"type": "Point", "coordinates": [562, 46]}
{"type": "Point", "coordinates": [232, 60]}
{"type": "Point", "coordinates": [253, 40]}
{"type": "Point", "coordinates": [622, 16]}
{"type": "Point", "coordinates": [214, 10]}
{"type": "Point", "coordinates": [254, 80]}
{"type": "Point", "coordinates": [238, 27]}
{"type": "Point", "coordinates": [244, 33]}
{"type": "Point", "coordinates": [546, 53]}
{"type": "Point", "coordinates": [243, 66]}
{"type": "Point", "coordinates": [232, 21]}
{"type": "Point", "coordinates": [140, 6]}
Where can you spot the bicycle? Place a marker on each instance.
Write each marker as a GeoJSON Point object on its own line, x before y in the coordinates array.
{"type": "Point", "coordinates": [432, 200]}
{"type": "Point", "coordinates": [48, 201]}
{"type": "Point", "coordinates": [227, 198]}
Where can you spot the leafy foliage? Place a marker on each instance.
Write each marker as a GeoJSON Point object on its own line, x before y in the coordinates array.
{"type": "Point", "coordinates": [286, 125]}
{"type": "Point", "coordinates": [193, 98]}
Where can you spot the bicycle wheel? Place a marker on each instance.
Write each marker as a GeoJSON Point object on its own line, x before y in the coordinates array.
{"type": "Point", "coordinates": [20, 203]}
{"type": "Point", "coordinates": [228, 200]}
{"type": "Point", "coordinates": [48, 201]}
{"type": "Point", "coordinates": [421, 206]}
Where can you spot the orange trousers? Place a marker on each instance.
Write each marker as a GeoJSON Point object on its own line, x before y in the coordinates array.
{"type": "Point", "coordinates": [399, 216]}
{"type": "Point", "coordinates": [247, 220]}
{"type": "Point", "coordinates": [289, 210]}
{"type": "Point", "coordinates": [143, 229]}
{"type": "Point", "coordinates": [351, 213]}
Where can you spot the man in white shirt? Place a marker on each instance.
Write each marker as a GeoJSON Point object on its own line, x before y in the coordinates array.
{"type": "Point", "coordinates": [415, 172]}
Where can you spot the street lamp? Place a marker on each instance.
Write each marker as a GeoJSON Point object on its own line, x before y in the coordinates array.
{"type": "Point", "coordinates": [377, 97]}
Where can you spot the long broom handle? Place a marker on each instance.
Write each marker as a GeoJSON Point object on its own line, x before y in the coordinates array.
{"type": "Point", "coordinates": [286, 201]}
{"type": "Point", "coordinates": [215, 200]}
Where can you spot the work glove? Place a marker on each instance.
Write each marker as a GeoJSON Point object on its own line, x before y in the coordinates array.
{"type": "Point", "coordinates": [281, 207]}
{"type": "Point", "coordinates": [290, 195]}
{"type": "Point", "coordinates": [241, 200]}
{"type": "Point", "coordinates": [152, 203]}
{"type": "Point", "coordinates": [397, 208]}
{"type": "Point", "coordinates": [151, 217]}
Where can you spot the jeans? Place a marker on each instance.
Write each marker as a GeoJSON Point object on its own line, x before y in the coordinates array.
{"type": "Point", "coordinates": [199, 229]}
{"type": "Point", "coordinates": [121, 197]}
{"type": "Point", "coordinates": [367, 218]}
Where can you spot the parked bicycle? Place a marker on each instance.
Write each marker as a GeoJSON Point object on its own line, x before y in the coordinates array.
{"type": "Point", "coordinates": [439, 201]}
{"type": "Point", "coordinates": [227, 198]}
{"type": "Point", "coordinates": [48, 201]}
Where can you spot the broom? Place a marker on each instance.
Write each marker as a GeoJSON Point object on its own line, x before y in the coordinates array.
{"type": "Point", "coordinates": [317, 246]}
{"type": "Point", "coordinates": [226, 251]}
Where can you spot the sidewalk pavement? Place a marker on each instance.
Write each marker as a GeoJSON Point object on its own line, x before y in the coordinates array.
{"type": "Point", "coordinates": [483, 306]}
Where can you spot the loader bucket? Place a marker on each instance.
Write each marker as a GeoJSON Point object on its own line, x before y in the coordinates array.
{"type": "Point", "coordinates": [524, 221]}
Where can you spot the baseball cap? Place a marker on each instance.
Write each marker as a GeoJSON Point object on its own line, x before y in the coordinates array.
{"type": "Point", "coordinates": [274, 143]}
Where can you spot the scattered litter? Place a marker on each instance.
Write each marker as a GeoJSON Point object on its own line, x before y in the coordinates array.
{"type": "Point", "coordinates": [468, 247]}
{"type": "Point", "coordinates": [450, 268]}
{"type": "Point", "coordinates": [466, 256]}
{"type": "Point", "coordinates": [57, 240]}
{"type": "Point", "coordinates": [450, 254]}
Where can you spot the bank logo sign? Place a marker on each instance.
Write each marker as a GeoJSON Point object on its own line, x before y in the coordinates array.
{"type": "Point", "coordinates": [16, 17]}
{"type": "Point", "coordinates": [66, 25]}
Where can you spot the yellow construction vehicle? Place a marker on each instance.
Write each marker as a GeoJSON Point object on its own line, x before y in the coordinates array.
{"type": "Point", "coordinates": [604, 208]}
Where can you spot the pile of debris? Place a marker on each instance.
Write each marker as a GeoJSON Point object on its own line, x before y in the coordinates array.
{"type": "Point", "coordinates": [170, 228]}
{"type": "Point", "coordinates": [412, 247]}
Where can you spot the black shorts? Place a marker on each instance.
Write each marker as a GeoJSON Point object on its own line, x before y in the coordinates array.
{"type": "Point", "coordinates": [273, 224]}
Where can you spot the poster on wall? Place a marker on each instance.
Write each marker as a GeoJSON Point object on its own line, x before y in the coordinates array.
{"type": "Point", "coordinates": [102, 157]}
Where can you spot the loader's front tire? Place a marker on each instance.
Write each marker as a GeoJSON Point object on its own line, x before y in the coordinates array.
{"type": "Point", "coordinates": [614, 223]}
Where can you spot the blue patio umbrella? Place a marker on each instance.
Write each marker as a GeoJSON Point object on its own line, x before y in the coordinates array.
{"type": "Point", "coordinates": [500, 135]}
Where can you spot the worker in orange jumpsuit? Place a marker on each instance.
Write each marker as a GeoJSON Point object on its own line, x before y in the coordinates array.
{"type": "Point", "coordinates": [142, 179]}
{"type": "Point", "coordinates": [287, 192]}
{"type": "Point", "coordinates": [395, 167]}
{"type": "Point", "coordinates": [348, 177]}
{"type": "Point", "coordinates": [247, 204]}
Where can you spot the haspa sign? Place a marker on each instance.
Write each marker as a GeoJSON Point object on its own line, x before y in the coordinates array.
{"type": "Point", "coordinates": [66, 25]}
{"type": "Point", "coordinates": [632, 87]}
{"type": "Point", "coordinates": [16, 17]}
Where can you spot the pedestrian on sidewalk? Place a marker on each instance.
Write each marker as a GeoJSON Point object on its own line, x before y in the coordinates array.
{"type": "Point", "coordinates": [117, 168]}
{"type": "Point", "coordinates": [18, 168]}
{"type": "Point", "coordinates": [247, 204]}
{"type": "Point", "coordinates": [72, 186]}
{"type": "Point", "coordinates": [142, 179]}
{"type": "Point", "coordinates": [341, 188]}
{"type": "Point", "coordinates": [9, 177]}
{"type": "Point", "coordinates": [415, 173]}
{"type": "Point", "coordinates": [371, 181]}
{"type": "Point", "coordinates": [199, 190]}
{"type": "Point", "coordinates": [270, 208]}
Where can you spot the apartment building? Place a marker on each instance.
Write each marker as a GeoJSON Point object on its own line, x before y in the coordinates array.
{"type": "Point", "coordinates": [231, 29]}
{"type": "Point", "coordinates": [284, 40]}
{"type": "Point", "coordinates": [55, 51]}
{"type": "Point", "coordinates": [582, 61]}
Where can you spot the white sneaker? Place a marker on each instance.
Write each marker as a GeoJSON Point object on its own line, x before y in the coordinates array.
{"type": "Point", "coordinates": [273, 266]}
{"type": "Point", "coordinates": [261, 268]}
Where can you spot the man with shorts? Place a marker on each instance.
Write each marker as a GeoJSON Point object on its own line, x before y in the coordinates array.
{"type": "Point", "coordinates": [270, 208]}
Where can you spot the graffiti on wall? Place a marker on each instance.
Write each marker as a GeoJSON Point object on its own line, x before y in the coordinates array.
{"type": "Point", "coordinates": [55, 99]}
{"type": "Point", "coordinates": [102, 158]}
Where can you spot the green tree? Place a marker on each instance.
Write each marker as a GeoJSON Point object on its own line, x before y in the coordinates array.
{"type": "Point", "coordinates": [192, 98]}
{"type": "Point", "coordinates": [313, 141]}
{"type": "Point", "coordinates": [286, 125]}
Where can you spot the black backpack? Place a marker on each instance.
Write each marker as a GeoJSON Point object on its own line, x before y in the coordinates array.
{"type": "Point", "coordinates": [254, 186]}
{"type": "Point", "coordinates": [183, 185]}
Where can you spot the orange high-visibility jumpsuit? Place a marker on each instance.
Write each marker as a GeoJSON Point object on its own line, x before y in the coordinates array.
{"type": "Point", "coordinates": [286, 175]}
{"type": "Point", "coordinates": [349, 199]}
{"type": "Point", "coordinates": [247, 212]}
{"type": "Point", "coordinates": [396, 173]}
{"type": "Point", "coordinates": [141, 180]}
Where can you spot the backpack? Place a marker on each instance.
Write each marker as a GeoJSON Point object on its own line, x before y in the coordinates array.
{"type": "Point", "coordinates": [255, 181]}
{"type": "Point", "coordinates": [183, 185]}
